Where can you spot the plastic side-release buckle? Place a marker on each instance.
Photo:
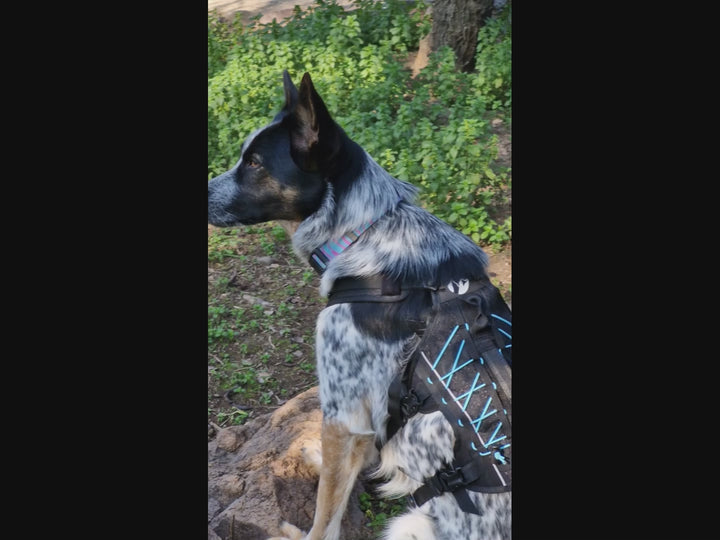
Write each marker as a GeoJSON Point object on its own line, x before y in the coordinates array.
{"type": "Point", "coordinates": [448, 480]}
{"type": "Point", "coordinates": [318, 260]}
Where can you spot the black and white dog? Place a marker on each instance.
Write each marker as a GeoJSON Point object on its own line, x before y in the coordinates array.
{"type": "Point", "coordinates": [360, 228]}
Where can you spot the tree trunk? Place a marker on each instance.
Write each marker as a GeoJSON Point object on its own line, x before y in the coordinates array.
{"type": "Point", "coordinates": [456, 24]}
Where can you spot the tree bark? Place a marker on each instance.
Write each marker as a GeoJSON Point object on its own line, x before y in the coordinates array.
{"type": "Point", "coordinates": [456, 24]}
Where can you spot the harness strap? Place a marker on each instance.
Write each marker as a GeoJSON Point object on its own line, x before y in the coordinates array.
{"type": "Point", "coordinates": [376, 289]}
{"type": "Point", "coordinates": [451, 479]}
{"type": "Point", "coordinates": [403, 404]}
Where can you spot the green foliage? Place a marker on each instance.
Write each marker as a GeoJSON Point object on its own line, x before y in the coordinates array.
{"type": "Point", "coordinates": [307, 276]}
{"type": "Point", "coordinates": [221, 245]}
{"type": "Point", "coordinates": [218, 327]}
{"type": "Point", "coordinates": [220, 41]}
{"type": "Point", "coordinates": [378, 511]}
{"type": "Point", "coordinates": [243, 381]}
{"type": "Point", "coordinates": [279, 234]}
{"type": "Point", "coordinates": [434, 130]}
{"type": "Point", "coordinates": [235, 417]}
{"type": "Point", "coordinates": [493, 60]}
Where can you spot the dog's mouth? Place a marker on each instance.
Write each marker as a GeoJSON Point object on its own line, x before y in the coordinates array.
{"type": "Point", "coordinates": [228, 220]}
{"type": "Point", "coordinates": [219, 217]}
{"type": "Point", "coordinates": [222, 222]}
{"type": "Point", "coordinates": [224, 210]}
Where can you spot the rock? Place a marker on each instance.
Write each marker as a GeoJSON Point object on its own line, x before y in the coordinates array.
{"type": "Point", "coordinates": [254, 300]}
{"type": "Point", "coordinates": [257, 476]}
{"type": "Point", "coordinates": [229, 440]}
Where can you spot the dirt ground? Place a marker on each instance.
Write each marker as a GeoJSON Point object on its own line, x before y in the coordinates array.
{"type": "Point", "coordinates": [263, 301]}
{"type": "Point", "coordinates": [270, 9]}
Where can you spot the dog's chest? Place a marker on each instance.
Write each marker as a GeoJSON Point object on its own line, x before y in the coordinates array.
{"type": "Point", "coordinates": [354, 369]}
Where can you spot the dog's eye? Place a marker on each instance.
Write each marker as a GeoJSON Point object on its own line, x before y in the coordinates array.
{"type": "Point", "coordinates": [251, 162]}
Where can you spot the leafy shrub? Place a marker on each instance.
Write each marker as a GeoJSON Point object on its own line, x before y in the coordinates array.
{"type": "Point", "coordinates": [493, 60]}
{"type": "Point", "coordinates": [433, 131]}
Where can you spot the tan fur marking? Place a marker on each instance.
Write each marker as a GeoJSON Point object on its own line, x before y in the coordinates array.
{"type": "Point", "coordinates": [343, 456]}
{"type": "Point", "coordinates": [290, 194]}
{"type": "Point", "coordinates": [291, 532]}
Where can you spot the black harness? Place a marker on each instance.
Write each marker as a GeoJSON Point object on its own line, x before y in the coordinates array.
{"type": "Point", "coordinates": [462, 367]}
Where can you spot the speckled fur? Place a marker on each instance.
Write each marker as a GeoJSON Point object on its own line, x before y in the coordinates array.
{"type": "Point", "coordinates": [336, 186]}
{"type": "Point", "coordinates": [350, 365]}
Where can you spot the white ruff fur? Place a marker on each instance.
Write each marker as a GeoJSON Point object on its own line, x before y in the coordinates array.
{"type": "Point", "coordinates": [414, 525]}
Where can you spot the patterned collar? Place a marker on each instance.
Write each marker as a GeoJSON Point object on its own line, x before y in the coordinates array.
{"type": "Point", "coordinates": [321, 257]}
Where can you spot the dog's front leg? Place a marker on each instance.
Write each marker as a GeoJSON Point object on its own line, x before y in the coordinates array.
{"type": "Point", "coordinates": [343, 456]}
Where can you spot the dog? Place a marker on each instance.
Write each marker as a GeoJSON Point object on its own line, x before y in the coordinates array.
{"type": "Point", "coordinates": [360, 227]}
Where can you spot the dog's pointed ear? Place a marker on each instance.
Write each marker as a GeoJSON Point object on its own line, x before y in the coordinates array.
{"type": "Point", "coordinates": [315, 138]}
{"type": "Point", "coordinates": [291, 92]}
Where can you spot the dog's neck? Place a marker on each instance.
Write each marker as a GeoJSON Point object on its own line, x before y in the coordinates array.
{"type": "Point", "coordinates": [391, 246]}
{"type": "Point", "coordinates": [357, 196]}
{"type": "Point", "coordinates": [321, 257]}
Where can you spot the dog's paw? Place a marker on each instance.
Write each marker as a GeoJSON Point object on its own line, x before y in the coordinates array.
{"type": "Point", "coordinates": [312, 455]}
{"type": "Point", "coordinates": [291, 532]}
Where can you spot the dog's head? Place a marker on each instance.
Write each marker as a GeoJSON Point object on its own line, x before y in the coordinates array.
{"type": "Point", "coordinates": [284, 167]}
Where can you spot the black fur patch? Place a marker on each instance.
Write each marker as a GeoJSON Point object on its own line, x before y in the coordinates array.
{"type": "Point", "coordinates": [393, 321]}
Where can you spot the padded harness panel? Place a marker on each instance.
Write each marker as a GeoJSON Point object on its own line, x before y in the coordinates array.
{"type": "Point", "coordinates": [462, 367]}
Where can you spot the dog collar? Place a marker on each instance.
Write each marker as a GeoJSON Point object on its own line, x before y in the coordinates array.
{"type": "Point", "coordinates": [321, 257]}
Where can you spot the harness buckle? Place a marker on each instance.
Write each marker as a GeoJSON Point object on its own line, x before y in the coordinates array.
{"type": "Point", "coordinates": [451, 479]}
{"type": "Point", "coordinates": [409, 404]}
